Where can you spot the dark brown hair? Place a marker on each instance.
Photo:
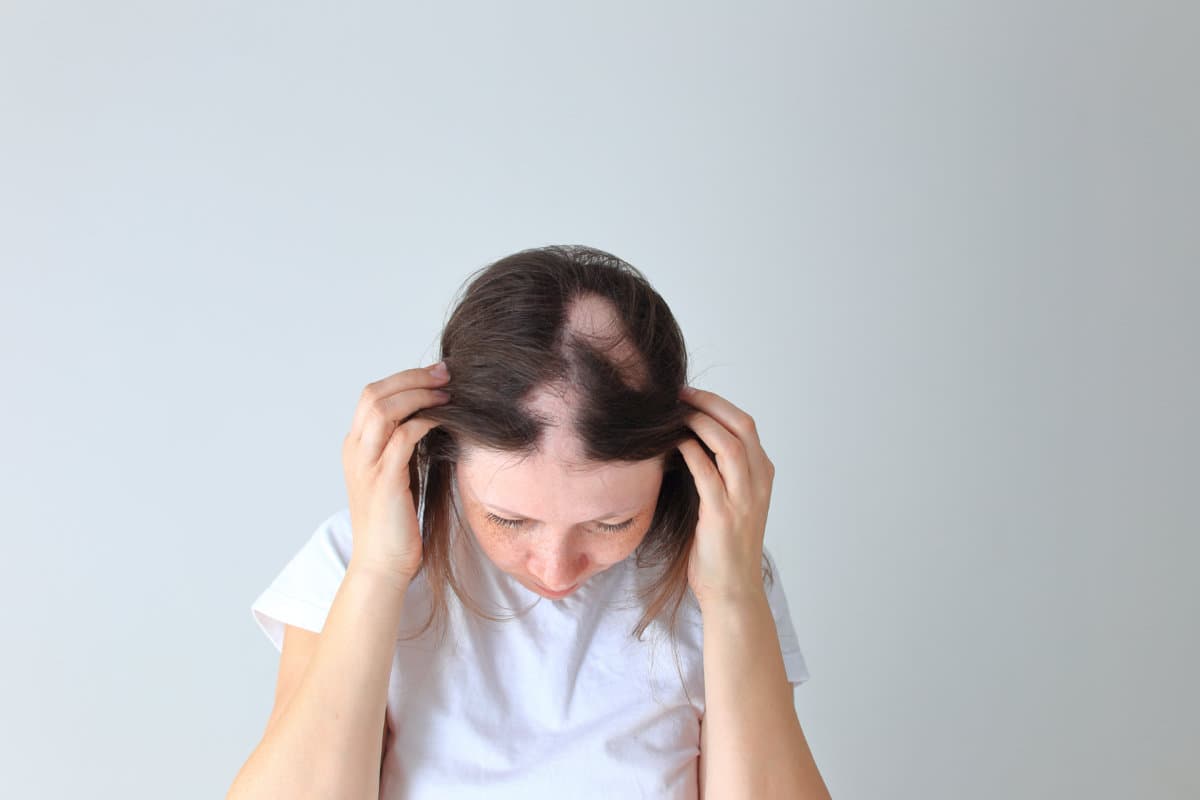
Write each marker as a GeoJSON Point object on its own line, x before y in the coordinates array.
{"type": "Point", "coordinates": [508, 336]}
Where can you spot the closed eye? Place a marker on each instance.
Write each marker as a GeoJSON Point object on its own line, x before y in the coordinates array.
{"type": "Point", "coordinates": [517, 523]}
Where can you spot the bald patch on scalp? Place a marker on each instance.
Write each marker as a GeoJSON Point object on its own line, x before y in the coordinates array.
{"type": "Point", "coordinates": [594, 318]}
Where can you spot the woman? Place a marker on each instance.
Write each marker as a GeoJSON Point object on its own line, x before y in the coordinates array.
{"type": "Point", "coordinates": [556, 456]}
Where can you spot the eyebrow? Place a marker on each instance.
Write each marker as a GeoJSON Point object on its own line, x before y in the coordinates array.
{"type": "Point", "coordinates": [618, 513]}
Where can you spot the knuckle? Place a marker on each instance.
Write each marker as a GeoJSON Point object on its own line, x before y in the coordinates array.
{"type": "Point", "coordinates": [377, 406]}
{"type": "Point", "coordinates": [406, 433]}
{"type": "Point", "coordinates": [400, 436]}
{"type": "Point", "coordinates": [370, 393]}
{"type": "Point", "coordinates": [742, 453]}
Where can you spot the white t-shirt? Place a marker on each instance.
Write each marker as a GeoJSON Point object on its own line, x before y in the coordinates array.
{"type": "Point", "coordinates": [559, 700]}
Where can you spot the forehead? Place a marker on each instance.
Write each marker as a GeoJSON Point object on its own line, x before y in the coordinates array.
{"type": "Point", "coordinates": [544, 486]}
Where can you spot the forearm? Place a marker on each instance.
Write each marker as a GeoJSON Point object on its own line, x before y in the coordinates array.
{"type": "Point", "coordinates": [325, 743]}
{"type": "Point", "coordinates": [754, 746]}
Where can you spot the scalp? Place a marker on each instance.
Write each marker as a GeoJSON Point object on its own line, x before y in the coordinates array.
{"type": "Point", "coordinates": [594, 319]}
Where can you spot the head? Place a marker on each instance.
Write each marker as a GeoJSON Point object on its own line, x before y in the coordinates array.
{"type": "Point", "coordinates": [552, 519]}
{"type": "Point", "coordinates": [562, 429]}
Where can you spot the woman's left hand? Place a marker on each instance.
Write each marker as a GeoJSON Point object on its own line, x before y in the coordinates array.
{"type": "Point", "coordinates": [726, 556]}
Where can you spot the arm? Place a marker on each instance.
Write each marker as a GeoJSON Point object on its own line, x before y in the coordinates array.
{"type": "Point", "coordinates": [325, 742]}
{"type": "Point", "coordinates": [751, 743]}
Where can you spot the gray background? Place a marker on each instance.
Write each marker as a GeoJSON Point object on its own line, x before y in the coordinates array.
{"type": "Point", "coordinates": [945, 253]}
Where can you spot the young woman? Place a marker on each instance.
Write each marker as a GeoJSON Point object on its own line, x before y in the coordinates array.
{"type": "Point", "coordinates": [528, 521]}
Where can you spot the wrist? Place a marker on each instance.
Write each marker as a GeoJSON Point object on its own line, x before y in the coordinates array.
{"type": "Point", "coordinates": [733, 599]}
{"type": "Point", "coordinates": [379, 573]}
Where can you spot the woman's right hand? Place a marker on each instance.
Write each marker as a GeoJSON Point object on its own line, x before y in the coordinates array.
{"type": "Point", "coordinates": [375, 457]}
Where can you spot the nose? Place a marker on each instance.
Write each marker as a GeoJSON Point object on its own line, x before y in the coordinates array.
{"type": "Point", "coordinates": [559, 571]}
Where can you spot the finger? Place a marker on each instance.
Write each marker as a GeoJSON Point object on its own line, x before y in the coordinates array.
{"type": "Point", "coordinates": [730, 453]}
{"type": "Point", "coordinates": [385, 414]}
{"type": "Point", "coordinates": [417, 378]}
{"type": "Point", "coordinates": [709, 484]}
{"type": "Point", "coordinates": [740, 424]}
{"type": "Point", "coordinates": [399, 449]}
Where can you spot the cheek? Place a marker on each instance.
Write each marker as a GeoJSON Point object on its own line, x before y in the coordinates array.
{"type": "Point", "coordinates": [502, 549]}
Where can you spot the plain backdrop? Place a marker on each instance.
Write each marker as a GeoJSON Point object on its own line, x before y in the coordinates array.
{"type": "Point", "coordinates": [946, 254]}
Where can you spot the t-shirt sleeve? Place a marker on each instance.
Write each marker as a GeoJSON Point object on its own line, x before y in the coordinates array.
{"type": "Point", "coordinates": [302, 593]}
{"type": "Point", "coordinates": [793, 660]}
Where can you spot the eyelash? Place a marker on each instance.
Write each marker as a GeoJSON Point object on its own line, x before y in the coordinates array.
{"type": "Point", "coordinates": [516, 523]}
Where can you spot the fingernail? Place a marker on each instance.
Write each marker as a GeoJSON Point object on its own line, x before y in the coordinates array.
{"type": "Point", "coordinates": [439, 370]}
{"type": "Point", "coordinates": [687, 391]}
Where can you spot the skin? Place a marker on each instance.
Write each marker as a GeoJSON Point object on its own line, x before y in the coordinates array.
{"type": "Point", "coordinates": [561, 505]}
